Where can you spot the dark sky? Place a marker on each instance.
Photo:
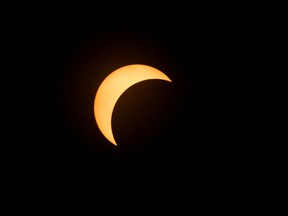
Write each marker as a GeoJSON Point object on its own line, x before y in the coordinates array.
{"type": "Point", "coordinates": [194, 122]}
{"type": "Point", "coordinates": [189, 142]}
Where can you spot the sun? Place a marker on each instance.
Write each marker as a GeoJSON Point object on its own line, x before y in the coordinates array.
{"type": "Point", "coordinates": [113, 87]}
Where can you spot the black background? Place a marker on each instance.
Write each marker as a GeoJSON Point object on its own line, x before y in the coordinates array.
{"type": "Point", "coordinates": [194, 128]}
{"type": "Point", "coordinates": [198, 143]}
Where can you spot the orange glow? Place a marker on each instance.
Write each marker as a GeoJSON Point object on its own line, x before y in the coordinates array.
{"type": "Point", "coordinates": [111, 89]}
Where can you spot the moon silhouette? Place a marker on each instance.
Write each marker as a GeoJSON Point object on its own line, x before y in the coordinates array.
{"type": "Point", "coordinates": [113, 87]}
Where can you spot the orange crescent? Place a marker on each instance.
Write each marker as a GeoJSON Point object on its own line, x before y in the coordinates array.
{"type": "Point", "coordinates": [113, 87]}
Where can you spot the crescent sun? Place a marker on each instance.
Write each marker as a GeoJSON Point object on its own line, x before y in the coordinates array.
{"type": "Point", "coordinates": [113, 87]}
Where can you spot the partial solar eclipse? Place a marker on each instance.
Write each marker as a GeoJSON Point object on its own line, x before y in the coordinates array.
{"type": "Point", "coordinates": [113, 87]}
